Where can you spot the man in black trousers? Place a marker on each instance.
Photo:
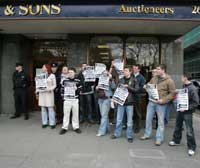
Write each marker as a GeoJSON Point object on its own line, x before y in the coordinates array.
{"type": "Point", "coordinates": [21, 82]}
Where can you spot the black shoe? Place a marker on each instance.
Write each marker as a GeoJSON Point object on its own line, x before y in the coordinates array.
{"type": "Point", "coordinates": [130, 140]}
{"type": "Point", "coordinates": [62, 131]}
{"type": "Point", "coordinates": [53, 126]}
{"type": "Point", "coordinates": [78, 131]}
{"type": "Point", "coordinates": [26, 117]}
{"type": "Point", "coordinates": [113, 137]}
{"type": "Point", "coordinates": [44, 126]}
{"type": "Point", "coordinates": [91, 122]}
{"type": "Point", "coordinates": [15, 116]}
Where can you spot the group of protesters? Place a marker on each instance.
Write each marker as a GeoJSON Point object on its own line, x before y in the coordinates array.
{"type": "Point", "coordinates": [69, 98]}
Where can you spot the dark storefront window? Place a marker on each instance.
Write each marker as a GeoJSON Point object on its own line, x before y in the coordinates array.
{"type": "Point", "coordinates": [104, 49]}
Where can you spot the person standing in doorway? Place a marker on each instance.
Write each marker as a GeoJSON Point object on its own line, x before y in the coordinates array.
{"type": "Point", "coordinates": [46, 99]}
{"type": "Point", "coordinates": [57, 96]}
{"type": "Point", "coordinates": [21, 82]}
{"type": "Point", "coordinates": [141, 82]}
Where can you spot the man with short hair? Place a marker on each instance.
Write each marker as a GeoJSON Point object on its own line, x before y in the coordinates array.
{"type": "Point", "coordinates": [187, 117]}
{"type": "Point", "coordinates": [131, 84]}
{"type": "Point", "coordinates": [71, 88]}
{"type": "Point", "coordinates": [21, 82]}
{"type": "Point", "coordinates": [166, 91]}
{"type": "Point", "coordinates": [141, 82]}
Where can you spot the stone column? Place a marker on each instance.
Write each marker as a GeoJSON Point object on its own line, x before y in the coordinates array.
{"type": "Point", "coordinates": [14, 49]}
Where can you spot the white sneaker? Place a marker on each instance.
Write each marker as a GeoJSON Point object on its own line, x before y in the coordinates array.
{"type": "Point", "coordinates": [99, 135]}
{"type": "Point", "coordinates": [172, 143]}
{"type": "Point", "coordinates": [191, 152]}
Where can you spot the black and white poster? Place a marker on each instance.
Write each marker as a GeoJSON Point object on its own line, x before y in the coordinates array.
{"type": "Point", "coordinates": [103, 82]}
{"type": "Point", "coordinates": [182, 99]}
{"type": "Point", "coordinates": [70, 89]}
{"type": "Point", "coordinates": [120, 95]}
{"type": "Point", "coordinates": [41, 81]}
{"type": "Point", "coordinates": [89, 74]}
{"type": "Point", "coordinates": [152, 92]}
{"type": "Point", "coordinates": [99, 69]}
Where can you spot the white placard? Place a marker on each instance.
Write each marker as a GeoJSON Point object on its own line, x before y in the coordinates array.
{"type": "Point", "coordinates": [120, 95]}
{"type": "Point", "coordinates": [103, 82]}
{"type": "Point", "coordinates": [89, 74]}
{"type": "Point", "coordinates": [70, 89]}
{"type": "Point", "coordinates": [99, 69]}
{"type": "Point", "coordinates": [182, 99]}
{"type": "Point", "coordinates": [41, 81]}
{"type": "Point", "coordinates": [118, 64]}
{"type": "Point", "coordinates": [152, 92]}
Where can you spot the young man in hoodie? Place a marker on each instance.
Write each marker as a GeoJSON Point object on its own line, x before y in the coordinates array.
{"type": "Point", "coordinates": [186, 116]}
{"type": "Point", "coordinates": [166, 91]}
{"type": "Point", "coordinates": [131, 84]}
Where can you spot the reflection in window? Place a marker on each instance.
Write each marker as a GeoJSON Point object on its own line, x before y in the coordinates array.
{"type": "Point", "coordinates": [143, 51]}
{"type": "Point", "coordinates": [50, 48]}
{"type": "Point", "coordinates": [105, 49]}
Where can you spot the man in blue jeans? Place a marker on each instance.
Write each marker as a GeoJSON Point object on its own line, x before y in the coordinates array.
{"type": "Point", "coordinates": [131, 84]}
{"type": "Point", "coordinates": [166, 91]}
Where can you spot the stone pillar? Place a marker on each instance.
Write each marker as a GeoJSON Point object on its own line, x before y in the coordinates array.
{"type": "Point", "coordinates": [172, 56]}
{"type": "Point", "coordinates": [14, 49]}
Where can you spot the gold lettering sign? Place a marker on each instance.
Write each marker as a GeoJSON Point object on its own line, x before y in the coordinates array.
{"type": "Point", "coordinates": [146, 10]}
{"type": "Point", "coordinates": [35, 10]}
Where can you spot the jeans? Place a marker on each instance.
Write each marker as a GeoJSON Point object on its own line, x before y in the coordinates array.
{"type": "Point", "coordinates": [104, 106]}
{"type": "Point", "coordinates": [120, 114]}
{"type": "Point", "coordinates": [85, 100]}
{"type": "Point", "coordinates": [46, 117]}
{"type": "Point", "coordinates": [160, 111]}
{"type": "Point", "coordinates": [187, 118]}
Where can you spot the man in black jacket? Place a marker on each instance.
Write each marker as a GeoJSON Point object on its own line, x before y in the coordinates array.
{"type": "Point", "coordinates": [141, 82]}
{"type": "Point", "coordinates": [86, 96]}
{"type": "Point", "coordinates": [21, 82]}
{"type": "Point", "coordinates": [186, 116]}
{"type": "Point", "coordinates": [131, 84]}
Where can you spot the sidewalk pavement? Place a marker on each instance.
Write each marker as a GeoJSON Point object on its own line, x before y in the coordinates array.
{"type": "Point", "coordinates": [24, 144]}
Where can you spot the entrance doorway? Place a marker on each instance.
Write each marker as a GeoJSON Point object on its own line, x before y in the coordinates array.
{"type": "Point", "coordinates": [45, 52]}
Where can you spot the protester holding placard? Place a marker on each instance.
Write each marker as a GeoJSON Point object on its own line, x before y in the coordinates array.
{"type": "Point", "coordinates": [104, 100]}
{"type": "Point", "coordinates": [86, 94]}
{"type": "Point", "coordinates": [186, 115]}
{"type": "Point", "coordinates": [71, 88]}
{"type": "Point", "coordinates": [165, 87]}
{"type": "Point", "coordinates": [46, 98]}
{"type": "Point", "coordinates": [130, 83]}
